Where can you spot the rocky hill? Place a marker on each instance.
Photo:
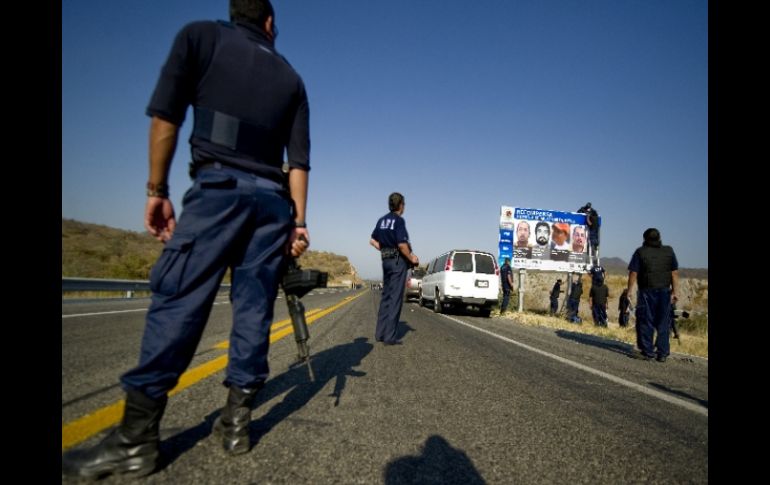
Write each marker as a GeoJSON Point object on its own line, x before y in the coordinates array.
{"type": "Point", "coordinates": [96, 251]}
{"type": "Point", "coordinates": [617, 266]}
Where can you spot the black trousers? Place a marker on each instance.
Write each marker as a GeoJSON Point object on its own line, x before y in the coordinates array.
{"type": "Point", "coordinates": [394, 272]}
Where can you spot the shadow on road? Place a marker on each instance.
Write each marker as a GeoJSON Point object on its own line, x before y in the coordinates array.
{"type": "Point", "coordinates": [702, 402]}
{"type": "Point", "coordinates": [602, 343]}
{"type": "Point", "coordinates": [334, 363]}
{"type": "Point", "coordinates": [402, 329]}
{"type": "Point", "coordinates": [439, 464]}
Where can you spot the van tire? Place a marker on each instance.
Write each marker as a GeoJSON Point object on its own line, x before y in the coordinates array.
{"type": "Point", "coordinates": [420, 300]}
{"type": "Point", "coordinates": [437, 302]}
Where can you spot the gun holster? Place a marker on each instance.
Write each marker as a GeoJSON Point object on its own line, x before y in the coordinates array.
{"type": "Point", "coordinates": [387, 253]}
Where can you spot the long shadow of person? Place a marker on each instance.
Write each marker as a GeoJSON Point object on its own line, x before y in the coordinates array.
{"type": "Point", "coordinates": [439, 463]}
{"type": "Point", "coordinates": [702, 402]}
{"type": "Point", "coordinates": [336, 362]}
{"type": "Point", "coordinates": [403, 328]}
{"type": "Point", "coordinates": [600, 342]}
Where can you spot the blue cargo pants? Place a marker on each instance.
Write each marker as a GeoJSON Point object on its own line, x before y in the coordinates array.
{"type": "Point", "coordinates": [230, 218]}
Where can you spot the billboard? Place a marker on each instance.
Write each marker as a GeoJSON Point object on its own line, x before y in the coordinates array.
{"type": "Point", "coordinates": [544, 240]}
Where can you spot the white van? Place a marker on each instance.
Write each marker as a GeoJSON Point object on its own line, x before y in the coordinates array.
{"type": "Point", "coordinates": [462, 277]}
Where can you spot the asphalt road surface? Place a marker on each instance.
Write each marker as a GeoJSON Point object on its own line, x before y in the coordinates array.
{"type": "Point", "coordinates": [465, 400]}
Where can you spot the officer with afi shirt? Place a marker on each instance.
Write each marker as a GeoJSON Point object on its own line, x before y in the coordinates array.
{"type": "Point", "coordinates": [655, 268]}
{"type": "Point", "coordinates": [392, 240]}
{"type": "Point", "coordinates": [245, 211]}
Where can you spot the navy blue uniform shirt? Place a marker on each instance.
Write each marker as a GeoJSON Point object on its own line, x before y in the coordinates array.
{"type": "Point", "coordinates": [504, 272]}
{"type": "Point", "coordinates": [636, 262]}
{"type": "Point", "coordinates": [275, 107]}
{"type": "Point", "coordinates": [390, 231]}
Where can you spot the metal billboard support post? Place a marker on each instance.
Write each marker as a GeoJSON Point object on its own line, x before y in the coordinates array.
{"type": "Point", "coordinates": [522, 277]}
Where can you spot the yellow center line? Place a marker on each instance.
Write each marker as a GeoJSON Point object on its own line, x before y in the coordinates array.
{"type": "Point", "coordinates": [84, 427]}
{"type": "Point", "coordinates": [225, 344]}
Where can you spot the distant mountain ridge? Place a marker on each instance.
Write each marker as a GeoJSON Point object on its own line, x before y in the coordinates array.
{"type": "Point", "coordinates": [97, 251]}
{"type": "Point", "coordinates": [620, 267]}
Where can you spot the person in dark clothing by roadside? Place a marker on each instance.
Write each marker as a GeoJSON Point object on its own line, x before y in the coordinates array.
{"type": "Point", "coordinates": [555, 296]}
{"type": "Point", "coordinates": [597, 298]}
{"type": "Point", "coordinates": [506, 282]}
{"type": "Point", "coordinates": [624, 305]}
{"type": "Point", "coordinates": [573, 302]}
{"type": "Point", "coordinates": [592, 221]}
{"type": "Point", "coordinates": [656, 269]}
{"type": "Point", "coordinates": [391, 239]}
{"type": "Point", "coordinates": [598, 274]}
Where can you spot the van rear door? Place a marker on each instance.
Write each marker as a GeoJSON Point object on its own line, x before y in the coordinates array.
{"type": "Point", "coordinates": [470, 276]}
{"type": "Point", "coordinates": [487, 281]}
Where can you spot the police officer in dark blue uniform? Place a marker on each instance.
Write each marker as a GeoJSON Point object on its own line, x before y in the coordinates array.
{"type": "Point", "coordinates": [506, 281]}
{"type": "Point", "coordinates": [245, 211]}
{"type": "Point", "coordinates": [592, 221]}
{"type": "Point", "coordinates": [573, 302]}
{"type": "Point", "coordinates": [656, 269]}
{"type": "Point", "coordinates": [391, 239]}
{"type": "Point", "coordinates": [555, 296]}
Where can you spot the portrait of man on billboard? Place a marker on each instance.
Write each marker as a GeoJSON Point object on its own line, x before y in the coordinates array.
{"type": "Point", "coordinates": [542, 233]}
{"type": "Point", "coordinates": [578, 239]}
{"type": "Point", "coordinates": [522, 235]}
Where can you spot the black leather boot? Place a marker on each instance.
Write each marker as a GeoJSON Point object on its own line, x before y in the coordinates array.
{"type": "Point", "coordinates": [233, 422]}
{"type": "Point", "coordinates": [132, 447]}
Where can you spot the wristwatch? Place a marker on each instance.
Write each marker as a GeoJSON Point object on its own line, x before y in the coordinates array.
{"type": "Point", "coordinates": [157, 190]}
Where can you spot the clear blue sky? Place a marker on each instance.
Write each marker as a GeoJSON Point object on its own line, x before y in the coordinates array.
{"type": "Point", "coordinates": [461, 106]}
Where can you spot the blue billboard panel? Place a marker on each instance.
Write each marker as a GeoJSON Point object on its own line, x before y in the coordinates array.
{"type": "Point", "coordinates": [548, 240]}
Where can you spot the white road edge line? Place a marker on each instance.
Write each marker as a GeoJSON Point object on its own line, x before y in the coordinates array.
{"type": "Point", "coordinates": [638, 387]}
{"type": "Point", "coordinates": [122, 311]}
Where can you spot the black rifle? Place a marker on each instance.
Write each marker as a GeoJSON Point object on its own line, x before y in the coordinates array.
{"type": "Point", "coordinates": [297, 283]}
{"type": "Point", "coordinates": [674, 315]}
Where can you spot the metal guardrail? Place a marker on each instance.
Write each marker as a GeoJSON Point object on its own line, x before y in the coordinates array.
{"type": "Point", "coordinates": [129, 286]}
{"type": "Point", "coordinates": [98, 284]}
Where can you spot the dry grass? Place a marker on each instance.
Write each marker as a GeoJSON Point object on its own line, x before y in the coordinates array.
{"type": "Point", "coordinates": [690, 342]}
{"type": "Point", "coordinates": [96, 251]}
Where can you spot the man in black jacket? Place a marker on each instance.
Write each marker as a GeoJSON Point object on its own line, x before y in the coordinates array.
{"type": "Point", "coordinates": [656, 269]}
{"type": "Point", "coordinates": [573, 302]}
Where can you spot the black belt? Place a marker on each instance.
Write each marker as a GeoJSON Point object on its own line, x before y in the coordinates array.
{"type": "Point", "coordinates": [207, 165]}
{"type": "Point", "coordinates": [388, 253]}
{"type": "Point", "coordinates": [194, 167]}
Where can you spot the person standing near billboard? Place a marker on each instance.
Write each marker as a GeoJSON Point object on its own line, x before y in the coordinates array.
{"type": "Point", "coordinates": [655, 268]}
{"type": "Point", "coordinates": [555, 296]}
{"type": "Point", "coordinates": [506, 281]}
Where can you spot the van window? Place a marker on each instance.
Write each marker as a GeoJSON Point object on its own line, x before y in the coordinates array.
{"type": "Point", "coordinates": [440, 264]}
{"type": "Point", "coordinates": [462, 262]}
{"type": "Point", "coordinates": [484, 264]}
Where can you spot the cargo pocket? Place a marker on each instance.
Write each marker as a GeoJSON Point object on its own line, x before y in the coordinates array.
{"type": "Point", "coordinates": [168, 273]}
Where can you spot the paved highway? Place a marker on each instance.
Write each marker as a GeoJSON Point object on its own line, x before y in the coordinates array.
{"type": "Point", "coordinates": [464, 400]}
